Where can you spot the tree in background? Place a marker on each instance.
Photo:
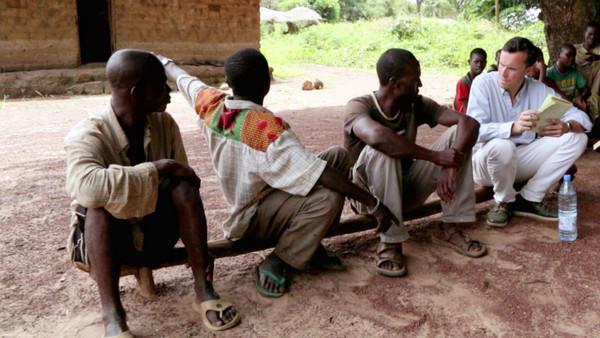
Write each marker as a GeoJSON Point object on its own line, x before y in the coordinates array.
{"type": "Point", "coordinates": [564, 21]}
{"type": "Point", "coordinates": [328, 9]}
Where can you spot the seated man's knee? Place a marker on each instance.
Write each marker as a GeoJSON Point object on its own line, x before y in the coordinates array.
{"type": "Point", "coordinates": [338, 158]}
{"type": "Point", "coordinates": [183, 190]}
{"type": "Point", "coordinates": [327, 198]}
{"type": "Point", "coordinates": [501, 150]}
{"type": "Point", "coordinates": [576, 141]}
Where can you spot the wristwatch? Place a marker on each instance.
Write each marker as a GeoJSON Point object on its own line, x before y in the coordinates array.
{"type": "Point", "coordinates": [569, 129]}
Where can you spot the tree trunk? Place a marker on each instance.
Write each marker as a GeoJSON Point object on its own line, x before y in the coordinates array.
{"type": "Point", "coordinates": [564, 21]}
{"type": "Point", "coordinates": [419, 3]}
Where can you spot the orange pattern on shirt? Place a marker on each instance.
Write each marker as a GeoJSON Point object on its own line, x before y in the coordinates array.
{"type": "Point", "coordinates": [207, 102]}
{"type": "Point", "coordinates": [260, 129]}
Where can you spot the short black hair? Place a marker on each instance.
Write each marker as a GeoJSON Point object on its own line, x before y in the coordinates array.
{"type": "Point", "coordinates": [567, 46]}
{"type": "Point", "coordinates": [247, 72]}
{"type": "Point", "coordinates": [393, 62]}
{"type": "Point", "coordinates": [520, 44]}
{"type": "Point", "coordinates": [478, 51]}
{"type": "Point", "coordinates": [592, 24]}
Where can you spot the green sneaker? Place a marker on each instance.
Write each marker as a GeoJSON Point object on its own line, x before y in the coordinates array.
{"type": "Point", "coordinates": [500, 214]}
{"type": "Point", "coordinates": [537, 210]}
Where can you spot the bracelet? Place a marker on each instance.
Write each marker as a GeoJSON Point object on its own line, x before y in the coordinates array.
{"type": "Point", "coordinates": [371, 211]}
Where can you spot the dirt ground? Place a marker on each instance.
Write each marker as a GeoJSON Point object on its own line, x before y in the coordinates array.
{"type": "Point", "coordinates": [528, 285]}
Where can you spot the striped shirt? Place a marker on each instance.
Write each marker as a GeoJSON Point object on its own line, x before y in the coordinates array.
{"type": "Point", "coordinates": [252, 150]}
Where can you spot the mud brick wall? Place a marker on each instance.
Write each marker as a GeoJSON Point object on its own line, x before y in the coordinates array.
{"type": "Point", "coordinates": [37, 34]}
{"type": "Point", "coordinates": [194, 32]}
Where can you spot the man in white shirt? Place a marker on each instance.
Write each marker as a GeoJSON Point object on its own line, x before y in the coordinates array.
{"type": "Point", "coordinates": [506, 105]}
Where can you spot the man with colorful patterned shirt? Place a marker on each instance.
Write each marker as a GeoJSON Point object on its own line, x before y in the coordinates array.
{"type": "Point", "coordinates": [278, 191]}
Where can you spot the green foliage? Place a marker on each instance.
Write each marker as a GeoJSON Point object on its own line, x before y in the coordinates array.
{"type": "Point", "coordinates": [405, 28]}
{"type": "Point", "coordinates": [438, 9]}
{"type": "Point", "coordinates": [328, 9]}
{"type": "Point", "coordinates": [286, 5]}
{"type": "Point", "coordinates": [487, 8]}
{"type": "Point", "coordinates": [441, 45]}
{"type": "Point", "coordinates": [353, 10]}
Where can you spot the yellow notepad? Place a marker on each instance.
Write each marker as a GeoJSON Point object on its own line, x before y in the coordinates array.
{"type": "Point", "coordinates": [553, 107]}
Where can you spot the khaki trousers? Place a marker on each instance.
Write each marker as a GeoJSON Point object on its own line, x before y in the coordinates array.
{"type": "Point", "coordinates": [383, 177]}
{"type": "Point", "coordinates": [297, 224]}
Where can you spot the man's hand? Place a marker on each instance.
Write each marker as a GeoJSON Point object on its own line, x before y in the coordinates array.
{"type": "Point", "coordinates": [553, 127]}
{"type": "Point", "coordinates": [384, 218]}
{"type": "Point", "coordinates": [168, 167]}
{"type": "Point", "coordinates": [446, 186]}
{"type": "Point", "coordinates": [449, 158]}
{"type": "Point", "coordinates": [525, 122]}
{"type": "Point", "coordinates": [580, 103]}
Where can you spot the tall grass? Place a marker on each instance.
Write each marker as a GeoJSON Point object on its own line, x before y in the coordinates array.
{"type": "Point", "coordinates": [441, 45]}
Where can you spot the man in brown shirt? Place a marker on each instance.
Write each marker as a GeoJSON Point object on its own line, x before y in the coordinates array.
{"type": "Point", "coordinates": [380, 131]}
{"type": "Point", "coordinates": [127, 168]}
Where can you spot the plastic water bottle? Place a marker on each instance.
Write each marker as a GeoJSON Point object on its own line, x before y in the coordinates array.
{"type": "Point", "coordinates": [567, 211]}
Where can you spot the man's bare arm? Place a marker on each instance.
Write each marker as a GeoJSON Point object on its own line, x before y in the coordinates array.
{"type": "Point", "coordinates": [388, 142]}
{"type": "Point", "coordinates": [467, 129]}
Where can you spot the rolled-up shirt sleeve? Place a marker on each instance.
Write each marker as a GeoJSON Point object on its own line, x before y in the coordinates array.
{"type": "Point", "coordinates": [575, 114]}
{"type": "Point", "coordinates": [124, 191]}
{"type": "Point", "coordinates": [480, 109]}
{"type": "Point", "coordinates": [288, 166]}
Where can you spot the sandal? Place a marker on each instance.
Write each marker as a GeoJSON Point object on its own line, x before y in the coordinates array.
{"type": "Point", "coordinates": [324, 259]}
{"type": "Point", "coordinates": [261, 277]}
{"type": "Point", "coordinates": [466, 246]}
{"type": "Point", "coordinates": [391, 253]}
{"type": "Point", "coordinates": [218, 306]}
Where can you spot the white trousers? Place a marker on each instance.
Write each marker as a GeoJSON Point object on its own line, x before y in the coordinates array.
{"type": "Point", "coordinates": [500, 163]}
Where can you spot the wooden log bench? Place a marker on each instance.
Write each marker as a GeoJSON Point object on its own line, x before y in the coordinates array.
{"type": "Point", "coordinates": [226, 248]}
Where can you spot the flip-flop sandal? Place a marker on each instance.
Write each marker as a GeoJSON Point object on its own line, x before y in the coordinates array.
{"type": "Point", "coordinates": [326, 260]}
{"type": "Point", "coordinates": [219, 306]}
{"type": "Point", "coordinates": [261, 276]}
{"type": "Point", "coordinates": [461, 249]}
{"type": "Point", "coordinates": [392, 256]}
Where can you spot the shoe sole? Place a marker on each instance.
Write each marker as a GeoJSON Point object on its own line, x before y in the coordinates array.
{"type": "Point", "coordinates": [496, 225]}
{"type": "Point", "coordinates": [535, 216]}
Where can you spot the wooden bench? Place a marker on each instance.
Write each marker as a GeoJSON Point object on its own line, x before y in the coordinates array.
{"type": "Point", "coordinates": [226, 248]}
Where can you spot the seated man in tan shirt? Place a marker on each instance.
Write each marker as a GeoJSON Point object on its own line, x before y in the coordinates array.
{"type": "Point", "coordinates": [127, 167]}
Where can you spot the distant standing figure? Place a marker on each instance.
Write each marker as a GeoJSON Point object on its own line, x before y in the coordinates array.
{"type": "Point", "coordinates": [477, 62]}
{"type": "Point", "coordinates": [588, 57]}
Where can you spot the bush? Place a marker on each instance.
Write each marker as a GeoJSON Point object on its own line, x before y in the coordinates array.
{"type": "Point", "coordinates": [405, 28]}
{"type": "Point", "coordinates": [517, 17]}
{"type": "Point", "coordinates": [438, 9]}
{"type": "Point", "coordinates": [329, 9]}
{"type": "Point", "coordinates": [286, 5]}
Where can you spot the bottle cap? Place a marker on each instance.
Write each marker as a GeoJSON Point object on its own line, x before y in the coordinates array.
{"type": "Point", "coordinates": [567, 178]}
